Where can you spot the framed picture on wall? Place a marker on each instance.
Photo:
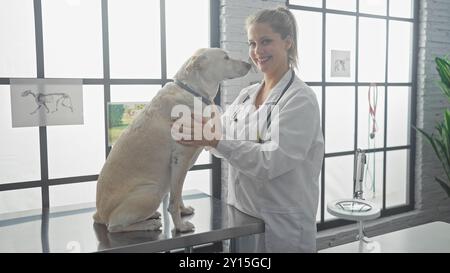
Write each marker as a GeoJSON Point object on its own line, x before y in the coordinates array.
{"type": "Point", "coordinates": [44, 102]}
{"type": "Point", "coordinates": [340, 63]}
{"type": "Point", "coordinates": [120, 116]}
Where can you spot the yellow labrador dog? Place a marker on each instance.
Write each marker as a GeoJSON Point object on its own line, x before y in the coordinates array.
{"type": "Point", "coordinates": [146, 162]}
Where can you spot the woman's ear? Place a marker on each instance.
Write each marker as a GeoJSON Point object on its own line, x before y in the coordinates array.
{"type": "Point", "coordinates": [288, 42]}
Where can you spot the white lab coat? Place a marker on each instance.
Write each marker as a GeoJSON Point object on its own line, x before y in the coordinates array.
{"type": "Point", "coordinates": [280, 186]}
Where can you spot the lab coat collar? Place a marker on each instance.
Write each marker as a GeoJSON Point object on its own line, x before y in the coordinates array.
{"type": "Point", "coordinates": [278, 88]}
{"type": "Point", "coordinates": [252, 92]}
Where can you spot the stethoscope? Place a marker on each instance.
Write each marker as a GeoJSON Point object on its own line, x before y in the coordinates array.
{"type": "Point", "coordinates": [269, 120]}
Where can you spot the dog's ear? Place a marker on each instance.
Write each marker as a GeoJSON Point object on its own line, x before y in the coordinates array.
{"type": "Point", "coordinates": [195, 63]}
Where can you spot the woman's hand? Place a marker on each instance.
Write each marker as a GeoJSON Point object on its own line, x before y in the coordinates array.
{"type": "Point", "coordinates": [198, 131]}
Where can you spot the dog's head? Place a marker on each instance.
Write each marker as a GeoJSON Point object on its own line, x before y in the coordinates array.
{"type": "Point", "coordinates": [213, 65]}
{"type": "Point", "coordinates": [217, 64]}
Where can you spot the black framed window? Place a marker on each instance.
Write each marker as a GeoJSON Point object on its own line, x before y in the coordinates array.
{"type": "Point", "coordinates": [369, 103]}
{"type": "Point", "coordinates": [123, 52]}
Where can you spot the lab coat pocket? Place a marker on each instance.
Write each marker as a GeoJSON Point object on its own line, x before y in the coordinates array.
{"type": "Point", "coordinates": [284, 232]}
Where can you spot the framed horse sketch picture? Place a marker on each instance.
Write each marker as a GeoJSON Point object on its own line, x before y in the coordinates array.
{"type": "Point", "coordinates": [44, 102]}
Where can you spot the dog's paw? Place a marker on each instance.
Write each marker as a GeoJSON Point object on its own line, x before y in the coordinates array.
{"type": "Point", "coordinates": [155, 215]}
{"type": "Point", "coordinates": [152, 224]}
{"type": "Point", "coordinates": [186, 210]}
{"type": "Point", "coordinates": [185, 227]}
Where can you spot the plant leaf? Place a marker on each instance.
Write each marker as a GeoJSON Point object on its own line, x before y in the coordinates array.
{"type": "Point", "coordinates": [444, 186]}
{"type": "Point", "coordinates": [431, 141]}
{"type": "Point", "coordinates": [443, 67]}
{"type": "Point", "coordinates": [445, 89]}
{"type": "Point", "coordinates": [441, 141]}
{"type": "Point", "coordinates": [441, 145]}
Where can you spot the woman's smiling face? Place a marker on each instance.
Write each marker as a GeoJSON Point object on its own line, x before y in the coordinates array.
{"type": "Point", "coordinates": [268, 51]}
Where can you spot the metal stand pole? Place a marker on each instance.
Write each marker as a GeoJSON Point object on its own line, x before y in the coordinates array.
{"type": "Point", "coordinates": [363, 240]}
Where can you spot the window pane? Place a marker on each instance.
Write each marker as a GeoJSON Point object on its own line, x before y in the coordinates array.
{"type": "Point", "coordinates": [373, 178]}
{"type": "Point", "coordinates": [338, 180]}
{"type": "Point", "coordinates": [199, 180]}
{"type": "Point", "coordinates": [309, 37]}
{"type": "Point", "coordinates": [398, 116]}
{"type": "Point", "coordinates": [372, 50]}
{"type": "Point", "coordinates": [309, 3]}
{"type": "Point", "coordinates": [70, 194]}
{"type": "Point", "coordinates": [340, 119]}
{"type": "Point", "coordinates": [349, 5]}
{"type": "Point", "coordinates": [401, 8]}
{"type": "Point", "coordinates": [400, 51]}
{"type": "Point", "coordinates": [20, 200]}
{"type": "Point", "coordinates": [17, 46]}
{"type": "Point", "coordinates": [76, 150]}
{"type": "Point", "coordinates": [19, 147]}
{"type": "Point", "coordinates": [72, 38]}
{"type": "Point", "coordinates": [133, 93]}
{"type": "Point", "coordinates": [340, 36]}
{"type": "Point", "coordinates": [134, 39]}
{"type": "Point", "coordinates": [396, 178]}
{"type": "Point", "coordinates": [185, 38]}
{"type": "Point", "coordinates": [366, 124]}
{"type": "Point", "coordinates": [203, 158]}
{"type": "Point", "coordinates": [373, 6]}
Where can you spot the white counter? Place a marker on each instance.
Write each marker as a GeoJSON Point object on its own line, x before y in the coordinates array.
{"type": "Point", "coordinates": [431, 237]}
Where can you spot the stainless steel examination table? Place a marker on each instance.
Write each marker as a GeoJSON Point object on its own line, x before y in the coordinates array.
{"type": "Point", "coordinates": [71, 229]}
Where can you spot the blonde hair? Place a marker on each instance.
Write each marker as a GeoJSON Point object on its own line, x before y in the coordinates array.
{"type": "Point", "coordinates": [283, 22]}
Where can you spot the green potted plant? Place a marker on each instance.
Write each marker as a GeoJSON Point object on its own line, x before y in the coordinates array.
{"type": "Point", "coordinates": [440, 139]}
